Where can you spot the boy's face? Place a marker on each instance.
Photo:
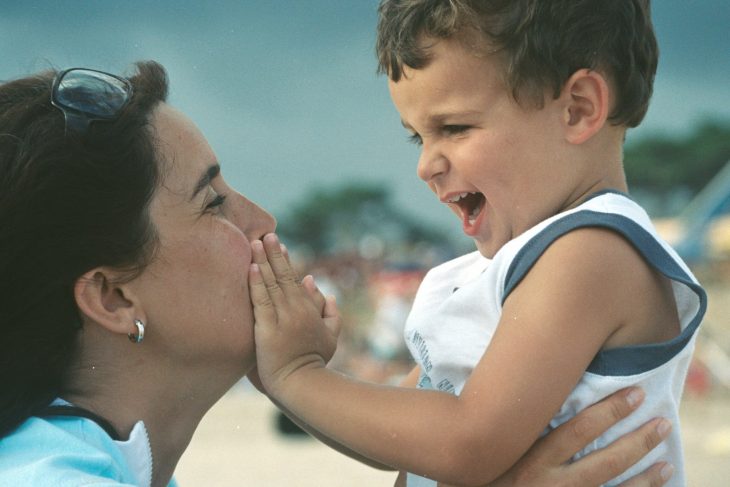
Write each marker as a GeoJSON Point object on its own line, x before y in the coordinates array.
{"type": "Point", "coordinates": [498, 166]}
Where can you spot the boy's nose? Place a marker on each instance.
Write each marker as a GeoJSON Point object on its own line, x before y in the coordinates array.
{"type": "Point", "coordinates": [431, 164]}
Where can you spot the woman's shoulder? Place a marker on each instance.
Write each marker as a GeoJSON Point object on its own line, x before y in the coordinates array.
{"type": "Point", "coordinates": [60, 452]}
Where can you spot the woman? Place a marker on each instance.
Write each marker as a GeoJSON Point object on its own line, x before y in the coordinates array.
{"type": "Point", "coordinates": [116, 227]}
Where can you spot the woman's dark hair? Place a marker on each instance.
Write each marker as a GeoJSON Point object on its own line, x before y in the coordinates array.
{"type": "Point", "coordinates": [67, 205]}
{"type": "Point", "coordinates": [541, 43]}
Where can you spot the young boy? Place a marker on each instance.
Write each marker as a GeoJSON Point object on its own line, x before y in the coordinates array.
{"type": "Point", "coordinates": [521, 108]}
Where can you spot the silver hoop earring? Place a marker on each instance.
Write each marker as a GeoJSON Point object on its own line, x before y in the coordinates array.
{"type": "Point", "coordinates": [140, 332]}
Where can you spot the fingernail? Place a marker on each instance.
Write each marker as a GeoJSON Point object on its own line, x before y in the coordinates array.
{"type": "Point", "coordinates": [254, 267]}
{"type": "Point", "coordinates": [634, 397]}
{"type": "Point", "coordinates": [666, 471]}
{"type": "Point", "coordinates": [663, 428]}
{"type": "Point", "coordinates": [271, 237]}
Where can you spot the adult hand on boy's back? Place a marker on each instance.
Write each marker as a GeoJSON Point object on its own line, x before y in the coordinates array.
{"type": "Point", "coordinates": [547, 463]}
{"type": "Point", "coordinates": [296, 327]}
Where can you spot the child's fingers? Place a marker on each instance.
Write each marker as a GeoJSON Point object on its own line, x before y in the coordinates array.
{"type": "Point", "coordinates": [314, 293]}
{"type": "Point", "coordinates": [267, 275]}
{"type": "Point", "coordinates": [330, 307]}
{"type": "Point", "coordinates": [285, 252]}
{"type": "Point", "coordinates": [259, 257]}
{"type": "Point", "coordinates": [285, 275]}
{"type": "Point", "coordinates": [263, 307]}
{"type": "Point", "coordinates": [287, 257]}
{"type": "Point", "coordinates": [331, 315]}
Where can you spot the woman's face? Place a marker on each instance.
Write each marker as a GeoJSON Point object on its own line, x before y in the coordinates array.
{"type": "Point", "coordinates": [195, 292]}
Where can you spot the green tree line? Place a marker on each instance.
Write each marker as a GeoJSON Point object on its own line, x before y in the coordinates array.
{"type": "Point", "coordinates": [334, 220]}
{"type": "Point", "coordinates": [663, 163]}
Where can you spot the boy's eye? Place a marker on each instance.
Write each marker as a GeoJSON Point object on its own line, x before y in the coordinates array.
{"type": "Point", "coordinates": [415, 139]}
{"type": "Point", "coordinates": [455, 129]}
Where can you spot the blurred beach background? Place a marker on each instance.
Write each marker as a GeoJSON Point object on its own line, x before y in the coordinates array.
{"type": "Point", "coordinates": [287, 93]}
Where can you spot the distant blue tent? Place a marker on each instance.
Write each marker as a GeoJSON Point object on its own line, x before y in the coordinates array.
{"type": "Point", "coordinates": [711, 203]}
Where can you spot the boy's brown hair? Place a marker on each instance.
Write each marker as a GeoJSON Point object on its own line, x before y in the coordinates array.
{"type": "Point", "coordinates": [541, 43]}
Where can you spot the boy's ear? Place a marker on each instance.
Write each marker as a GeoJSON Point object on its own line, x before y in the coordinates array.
{"type": "Point", "coordinates": [587, 104]}
{"type": "Point", "coordinates": [106, 301]}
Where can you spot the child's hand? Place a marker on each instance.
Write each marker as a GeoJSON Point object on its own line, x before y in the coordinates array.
{"type": "Point", "coordinates": [296, 327]}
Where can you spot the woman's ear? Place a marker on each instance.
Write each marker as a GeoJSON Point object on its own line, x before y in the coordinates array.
{"type": "Point", "coordinates": [103, 299]}
{"type": "Point", "coordinates": [587, 105]}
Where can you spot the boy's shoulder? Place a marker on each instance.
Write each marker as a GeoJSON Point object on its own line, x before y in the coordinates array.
{"type": "Point", "coordinates": [598, 209]}
{"type": "Point", "coordinates": [582, 230]}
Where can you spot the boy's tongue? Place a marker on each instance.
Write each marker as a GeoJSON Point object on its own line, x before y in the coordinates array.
{"type": "Point", "coordinates": [471, 213]}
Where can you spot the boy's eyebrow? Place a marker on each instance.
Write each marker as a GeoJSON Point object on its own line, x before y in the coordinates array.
{"type": "Point", "coordinates": [439, 118]}
{"type": "Point", "coordinates": [209, 175]}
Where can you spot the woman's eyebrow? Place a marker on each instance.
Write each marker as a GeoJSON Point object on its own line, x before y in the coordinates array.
{"type": "Point", "coordinates": [205, 179]}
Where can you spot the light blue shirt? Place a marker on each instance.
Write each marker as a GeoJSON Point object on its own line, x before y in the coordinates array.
{"type": "Point", "coordinates": [70, 451]}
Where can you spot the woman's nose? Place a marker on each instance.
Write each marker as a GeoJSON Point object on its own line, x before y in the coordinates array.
{"type": "Point", "coordinates": [431, 163]}
{"type": "Point", "coordinates": [263, 222]}
{"type": "Point", "coordinates": [254, 220]}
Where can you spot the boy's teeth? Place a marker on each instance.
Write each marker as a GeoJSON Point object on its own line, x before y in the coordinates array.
{"type": "Point", "coordinates": [458, 197]}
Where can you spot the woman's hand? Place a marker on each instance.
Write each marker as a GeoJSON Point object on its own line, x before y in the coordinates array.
{"type": "Point", "coordinates": [546, 463]}
{"type": "Point", "coordinates": [296, 327]}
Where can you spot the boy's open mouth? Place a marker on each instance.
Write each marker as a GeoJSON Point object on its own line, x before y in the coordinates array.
{"type": "Point", "coordinates": [470, 206]}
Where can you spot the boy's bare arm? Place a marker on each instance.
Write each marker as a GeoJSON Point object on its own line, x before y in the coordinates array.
{"type": "Point", "coordinates": [546, 465]}
{"type": "Point", "coordinates": [409, 381]}
{"type": "Point", "coordinates": [498, 415]}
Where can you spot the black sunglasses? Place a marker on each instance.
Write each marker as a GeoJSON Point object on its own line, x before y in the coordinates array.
{"type": "Point", "coordinates": [87, 95]}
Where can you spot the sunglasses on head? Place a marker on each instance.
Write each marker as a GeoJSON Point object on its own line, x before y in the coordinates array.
{"type": "Point", "coordinates": [87, 95]}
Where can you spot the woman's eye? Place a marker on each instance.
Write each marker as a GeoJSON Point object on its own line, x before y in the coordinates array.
{"type": "Point", "coordinates": [415, 139]}
{"type": "Point", "coordinates": [216, 202]}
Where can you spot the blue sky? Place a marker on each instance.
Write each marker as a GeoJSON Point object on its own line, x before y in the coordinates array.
{"type": "Point", "coordinates": [286, 90]}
